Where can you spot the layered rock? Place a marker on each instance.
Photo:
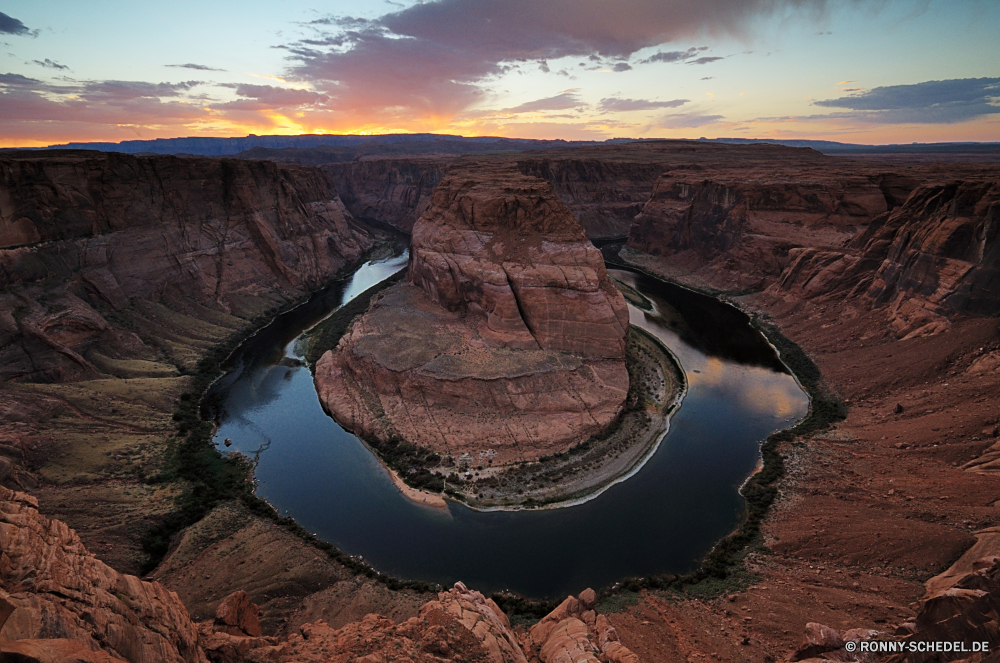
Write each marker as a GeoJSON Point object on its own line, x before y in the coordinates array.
{"type": "Point", "coordinates": [393, 191]}
{"type": "Point", "coordinates": [933, 258]}
{"type": "Point", "coordinates": [508, 342]}
{"type": "Point", "coordinates": [604, 194]}
{"type": "Point", "coordinates": [739, 228]}
{"type": "Point", "coordinates": [84, 233]}
{"type": "Point", "coordinates": [58, 590]}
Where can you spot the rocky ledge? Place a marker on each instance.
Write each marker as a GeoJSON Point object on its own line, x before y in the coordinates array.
{"type": "Point", "coordinates": [508, 342]}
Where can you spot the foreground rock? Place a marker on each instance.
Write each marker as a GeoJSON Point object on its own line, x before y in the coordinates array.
{"type": "Point", "coordinates": [507, 345]}
{"type": "Point", "coordinates": [575, 633]}
{"type": "Point", "coordinates": [58, 590]}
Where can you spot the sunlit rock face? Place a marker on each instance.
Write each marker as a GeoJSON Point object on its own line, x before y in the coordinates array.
{"type": "Point", "coordinates": [508, 340]}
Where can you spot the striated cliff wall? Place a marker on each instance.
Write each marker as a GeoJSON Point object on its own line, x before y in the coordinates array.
{"type": "Point", "coordinates": [393, 191]}
{"type": "Point", "coordinates": [935, 257]}
{"type": "Point", "coordinates": [604, 195]}
{"type": "Point", "coordinates": [84, 234]}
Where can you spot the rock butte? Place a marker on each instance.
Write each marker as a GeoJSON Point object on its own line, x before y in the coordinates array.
{"type": "Point", "coordinates": [507, 343]}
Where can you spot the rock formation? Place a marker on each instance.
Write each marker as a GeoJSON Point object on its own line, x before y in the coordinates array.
{"type": "Point", "coordinates": [507, 345]}
{"type": "Point", "coordinates": [59, 604]}
{"type": "Point", "coordinates": [393, 191]}
{"type": "Point", "coordinates": [933, 258]}
{"type": "Point", "coordinates": [83, 234]}
{"type": "Point", "coordinates": [575, 633]}
{"type": "Point", "coordinates": [737, 226]}
{"type": "Point", "coordinates": [60, 592]}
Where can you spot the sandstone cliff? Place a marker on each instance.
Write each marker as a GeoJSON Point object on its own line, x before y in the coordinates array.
{"type": "Point", "coordinates": [604, 194]}
{"type": "Point", "coordinates": [393, 191]}
{"type": "Point", "coordinates": [507, 346]}
{"type": "Point", "coordinates": [737, 227]}
{"type": "Point", "coordinates": [933, 258]}
{"type": "Point", "coordinates": [83, 234]}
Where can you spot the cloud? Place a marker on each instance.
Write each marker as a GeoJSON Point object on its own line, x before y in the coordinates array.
{"type": "Point", "coordinates": [686, 120]}
{"type": "Point", "coordinates": [930, 102]}
{"type": "Point", "coordinates": [673, 56]}
{"type": "Point", "coordinates": [436, 59]}
{"type": "Point", "coordinates": [48, 64]}
{"type": "Point", "coordinates": [613, 105]}
{"type": "Point", "coordinates": [622, 66]}
{"type": "Point", "coordinates": [191, 65]}
{"type": "Point", "coordinates": [705, 60]}
{"type": "Point", "coordinates": [562, 101]}
{"type": "Point", "coordinates": [267, 97]}
{"type": "Point", "coordinates": [11, 26]}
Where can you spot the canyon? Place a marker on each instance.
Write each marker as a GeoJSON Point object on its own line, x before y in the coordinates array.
{"type": "Point", "coordinates": [507, 342]}
{"type": "Point", "coordinates": [120, 274]}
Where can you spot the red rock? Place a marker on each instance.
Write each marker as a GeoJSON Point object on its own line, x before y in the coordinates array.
{"type": "Point", "coordinates": [55, 650]}
{"type": "Point", "coordinates": [509, 343]}
{"type": "Point", "coordinates": [60, 590]}
{"type": "Point", "coordinates": [237, 615]}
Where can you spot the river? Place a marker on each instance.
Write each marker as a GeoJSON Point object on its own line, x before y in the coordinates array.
{"type": "Point", "coordinates": [661, 520]}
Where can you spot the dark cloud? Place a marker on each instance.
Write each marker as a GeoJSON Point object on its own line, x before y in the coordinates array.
{"type": "Point", "coordinates": [613, 105]}
{"type": "Point", "coordinates": [267, 97]}
{"type": "Point", "coordinates": [672, 56]}
{"type": "Point", "coordinates": [433, 58]}
{"type": "Point", "coordinates": [11, 26]}
{"type": "Point", "coordinates": [707, 78]}
{"type": "Point", "coordinates": [48, 64]}
{"type": "Point", "coordinates": [686, 120]}
{"type": "Point", "coordinates": [705, 60]}
{"type": "Point", "coordinates": [191, 65]}
{"type": "Point", "coordinates": [562, 101]}
{"type": "Point", "coordinates": [622, 66]}
{"type": "Point", "coordinates": [930, 102]}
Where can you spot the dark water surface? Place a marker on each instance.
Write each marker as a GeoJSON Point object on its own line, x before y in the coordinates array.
{"type": "Point", "coordinates": [663, 519]}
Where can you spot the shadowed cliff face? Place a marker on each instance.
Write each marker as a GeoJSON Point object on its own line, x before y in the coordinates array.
{"type": "Point", "coordinates": [86, 234]}
{"type": "Point", "coordinates": [935, 257]}
{"type": "Point", "coordinates": [741, 227]}
{"type": "Point", "coordinates": [604, 195]}
{"type": "Point", "coordinates": [391, 191]}
{"type": "Point", "coordinates": [510, 336]}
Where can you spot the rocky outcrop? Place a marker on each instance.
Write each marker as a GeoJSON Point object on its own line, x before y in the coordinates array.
{"type": "Point", "coordinates": [83, 234]}
{"type": "Point", "coordinates": [393, 191]}
{"type": "Point", "coordinates": [59, 591]}
{"type": "Point", "coordinates": [508, 344]}
{"type": "Point", "coordinates": [575, 633]}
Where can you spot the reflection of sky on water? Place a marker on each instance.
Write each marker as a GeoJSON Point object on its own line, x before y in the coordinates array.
{"type": "Point", "coordinates": [660, 520]}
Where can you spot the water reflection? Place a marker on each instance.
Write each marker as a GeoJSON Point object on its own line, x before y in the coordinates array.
{"type": "Point", "coordinates": [661, 520]}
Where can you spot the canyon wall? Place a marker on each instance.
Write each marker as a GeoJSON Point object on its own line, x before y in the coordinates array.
{"type": "Point", "coordinates": [509, 340]}
{"type": "Point", "coordinates": [934, 258]}
{"type": "Point", "coordinates": [85, 234]}
{"type": "Point", "coordinates": [393, 191]}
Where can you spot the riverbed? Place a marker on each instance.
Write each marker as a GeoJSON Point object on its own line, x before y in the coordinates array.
{"type": "Point", "coordinates": [663, 518]}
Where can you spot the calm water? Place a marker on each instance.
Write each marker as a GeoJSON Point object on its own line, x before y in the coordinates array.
{"type": "Point", "coordinates": [661, 520]}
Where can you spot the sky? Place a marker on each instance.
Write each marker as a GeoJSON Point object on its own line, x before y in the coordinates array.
{"type": "Point", "coordinates": [858, 71]}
